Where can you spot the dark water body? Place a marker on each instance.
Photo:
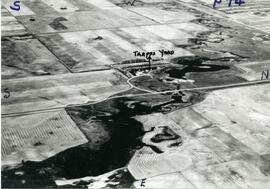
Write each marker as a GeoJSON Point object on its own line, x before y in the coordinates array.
{"type": "Point", "coordinates": [119, 137]}
{"type": "Point", "coordinates": [180, 73]}
{"type": "Point", "coordinates": [83, 161]}
{"type": "Point", "coordinates": [193, 65]}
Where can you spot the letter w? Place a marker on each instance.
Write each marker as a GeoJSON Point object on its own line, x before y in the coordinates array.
{"type": "Point", "coordinates": [130, 2]}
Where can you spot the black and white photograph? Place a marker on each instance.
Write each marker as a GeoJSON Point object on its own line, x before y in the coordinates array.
{"type": "Point", "coordinates": [147, 94]}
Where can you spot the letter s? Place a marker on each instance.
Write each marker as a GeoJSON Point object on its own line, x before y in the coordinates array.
{"type": "Point", "coordinates": [7, 95]}
{"type": "Point", "coordinates": [16, 6]}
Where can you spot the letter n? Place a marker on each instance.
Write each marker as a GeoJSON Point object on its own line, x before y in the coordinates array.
{"type": "Point", "coordinates": [265, 75]}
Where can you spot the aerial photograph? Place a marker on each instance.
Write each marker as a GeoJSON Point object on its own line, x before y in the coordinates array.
{"type": "Point", "coordinates": [135, 94]}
